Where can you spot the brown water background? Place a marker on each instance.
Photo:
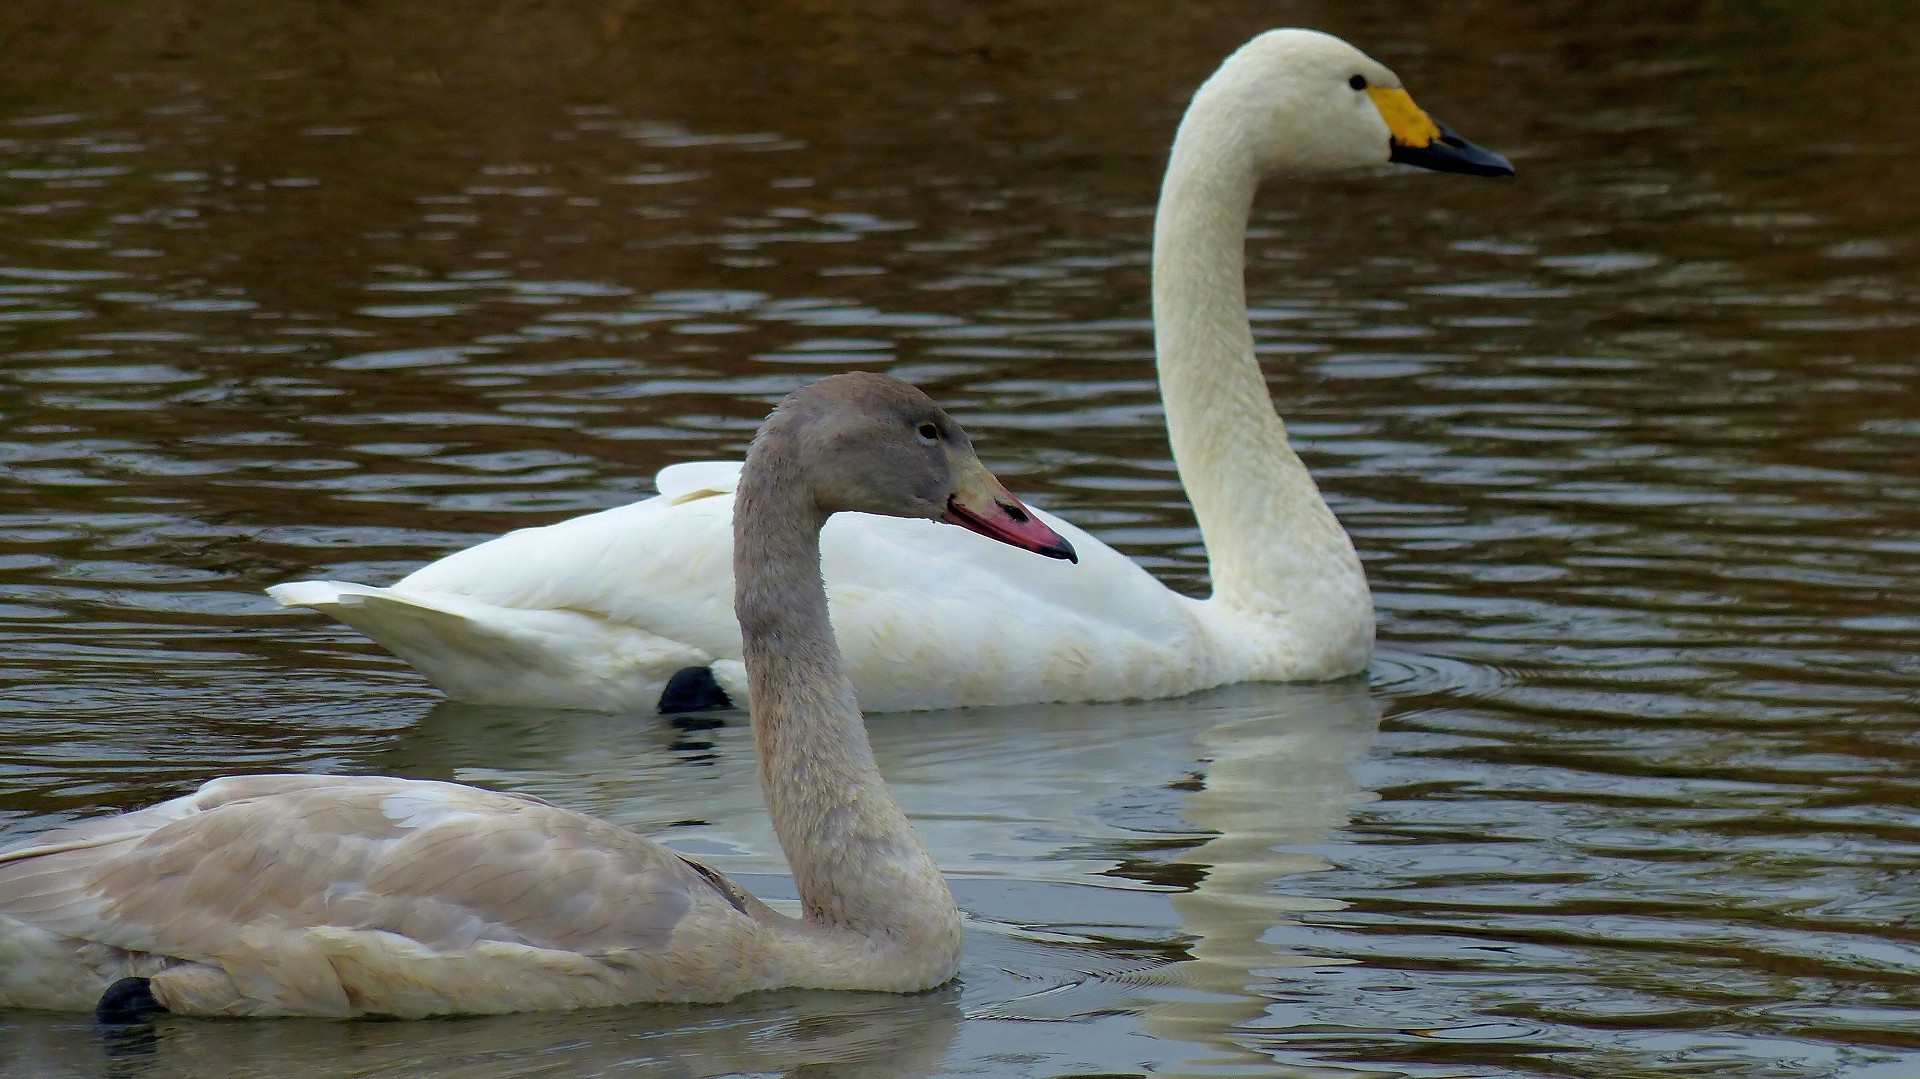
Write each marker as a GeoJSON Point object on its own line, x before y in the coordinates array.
{"type": "Point", "coordinates": [1628, 445]}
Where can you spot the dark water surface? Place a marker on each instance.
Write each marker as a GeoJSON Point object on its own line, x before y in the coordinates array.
{"type": "Point", "coordinates": [1628, 444]}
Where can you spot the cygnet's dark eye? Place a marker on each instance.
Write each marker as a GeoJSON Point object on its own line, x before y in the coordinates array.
{"type": "Point", "coordinates": [929, 432]}
{"type": "Point", "coordinates": [1358, 82]}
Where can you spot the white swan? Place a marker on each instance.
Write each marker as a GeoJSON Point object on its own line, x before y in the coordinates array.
{"type": "Point", "coordinates": [337, 896]}
{"type": "Point", "coordinates": [600, 611]}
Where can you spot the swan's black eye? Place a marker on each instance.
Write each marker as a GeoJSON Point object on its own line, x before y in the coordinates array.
{"type": "Point", "coordinates": [1358, 82]}
{"type": "Point", "coordinates": [929, 432]}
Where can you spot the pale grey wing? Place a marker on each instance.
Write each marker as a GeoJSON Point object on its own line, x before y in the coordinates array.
{"type": "Point", "coordinates": [43, 880]}
{"type": "Point", "coordinates": [440, 863]}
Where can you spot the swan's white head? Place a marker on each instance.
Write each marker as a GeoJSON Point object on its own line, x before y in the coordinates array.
{"type": "Point", "coordinates": [1304, 101]}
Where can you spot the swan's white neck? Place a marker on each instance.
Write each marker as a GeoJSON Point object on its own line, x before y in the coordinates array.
{"type": "Point", "coordinates": [875, 901]}
{"type": "Point", "coordinates": [1266, 528]}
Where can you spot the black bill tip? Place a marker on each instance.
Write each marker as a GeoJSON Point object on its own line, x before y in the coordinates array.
{"type": "Point", "coordinates": [1451, 153]}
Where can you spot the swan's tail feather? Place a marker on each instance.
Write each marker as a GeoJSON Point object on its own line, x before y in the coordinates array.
{"type": "Point", "coordinates": [429, 631]}
{"type": "Point", "coordinates": [315, 594]}
{"type": "Point", "coordinates": [423, 630]}
{"type": "Point", "coordinates": [472, 650]}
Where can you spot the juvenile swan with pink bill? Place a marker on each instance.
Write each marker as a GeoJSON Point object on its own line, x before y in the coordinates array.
{"type": "Point", "coordinates": [342, 896]}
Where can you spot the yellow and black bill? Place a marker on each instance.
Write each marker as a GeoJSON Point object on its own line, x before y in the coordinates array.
{"type": "Point", "coordinates": [1419, 141]}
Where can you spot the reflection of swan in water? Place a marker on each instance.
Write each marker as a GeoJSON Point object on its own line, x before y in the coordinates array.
{"type": "Point", "coordinates": [1065, 843]}
{"type": "Point", "coordinates": [1039, 780]}
{"type": "Point", "coordinates": [1269, 782]}
{"type": "Point", "coordinates": [1190, 798]}
{"type": "Point", "coordinates": [867, 1035]}
{"type": "Point", "coordinates": [678, 777]}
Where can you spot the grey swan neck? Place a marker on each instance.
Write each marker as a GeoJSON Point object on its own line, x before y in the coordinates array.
{"type": "Point", "coordinates": [1260, 513]}
{"type": "Point", "coordinates": [865, 882]}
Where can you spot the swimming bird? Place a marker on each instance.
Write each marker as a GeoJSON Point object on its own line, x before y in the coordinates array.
{"type": "Point", "coordinates": [626, 609]}
{"type": "Point", "coordinates": [341, 896]}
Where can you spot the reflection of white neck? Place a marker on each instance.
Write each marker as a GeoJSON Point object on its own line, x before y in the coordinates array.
{"type": "Point", "coordinates": [1266, 528]}
{"type": "Point", "coordinates": [1278, 778]}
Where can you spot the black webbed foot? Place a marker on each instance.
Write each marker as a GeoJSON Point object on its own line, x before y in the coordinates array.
{"type": "Point", "coordinates": [693, 689]}
{"type": "Point", "coordinates": [129, 1000]}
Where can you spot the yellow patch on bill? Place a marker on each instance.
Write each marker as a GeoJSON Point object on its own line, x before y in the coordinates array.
{"type": "Point", "coordinates": [1410, 124]}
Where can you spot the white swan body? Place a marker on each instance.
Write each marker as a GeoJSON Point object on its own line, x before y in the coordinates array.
{"type": "Point", "coordinates": [601, 610]}
{"type": "Point", "coordinates": [923, 622]}
{"type": "Point", "coordinates": [342, 896]}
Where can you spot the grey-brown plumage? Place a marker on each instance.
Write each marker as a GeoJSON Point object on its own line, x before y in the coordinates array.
{"type": "Point", "coordinates": [342, 896]}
